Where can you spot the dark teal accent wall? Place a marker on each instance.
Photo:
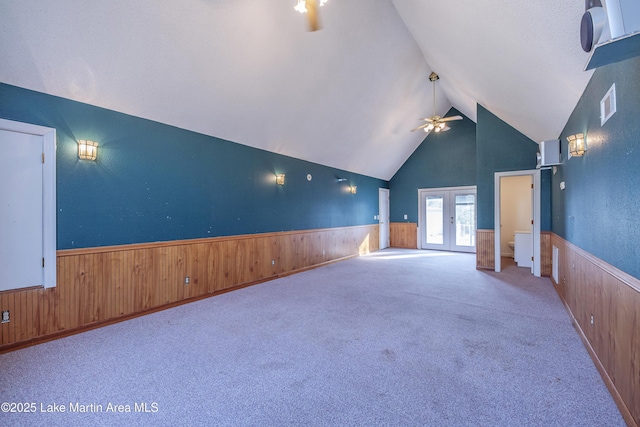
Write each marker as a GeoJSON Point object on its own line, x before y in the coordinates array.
{"type": "Point", "coordinates": [501, 148]}
{"type": "Point", "coordinates": [155, 182]}
{"type": "Point", "coordinates": [598, 210]}
{"type": "Point", "coordinates": [445, 159]}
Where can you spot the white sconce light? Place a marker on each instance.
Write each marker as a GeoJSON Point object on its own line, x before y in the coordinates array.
{"type": "Point", "coordinates": [280, 179]}
{"type": "Point", "coordinates": [87, 150]}
{"type": "Point", "coordinates": [577, 145]}
{"type": "Point", "coordinates": [353, 189]}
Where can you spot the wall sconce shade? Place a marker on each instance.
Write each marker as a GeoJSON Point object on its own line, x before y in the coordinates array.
{"type": "Point", "coordinates": [87, 150]}
{"type": "Point", "coordinates": [577, 144]}
{"type": "Point", "coordinates": [280, 179]}
{"type": "Point", "coordinates": [353, 189]}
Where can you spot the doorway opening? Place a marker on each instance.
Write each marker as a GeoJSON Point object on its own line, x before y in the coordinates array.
{"type": "Point", "coordinates": [517, 218]}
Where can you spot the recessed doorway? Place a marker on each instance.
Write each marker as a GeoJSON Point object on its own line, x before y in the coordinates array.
{"type": "Point", "coordinates": [534, 179]}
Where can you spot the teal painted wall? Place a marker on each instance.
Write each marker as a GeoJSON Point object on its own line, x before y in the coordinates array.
{"type": "Point", "coordinates": [442, 160]}
{"type": "Point", "coordinates": [154, 182]}
{"type": "Point", "coordinates": [501, 148]}
{"type": "Point", "coordinates": [598, 210]}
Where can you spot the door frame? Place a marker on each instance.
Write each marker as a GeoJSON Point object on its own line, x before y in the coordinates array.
{"type": "Point", "coordinates": [535, 215]}
{"type": "Point", "coordinates": [48, 193]}
{"type": "Point", "coordinates": [421, 209]}
{"type": "Point", "coordinates": [383, 221]}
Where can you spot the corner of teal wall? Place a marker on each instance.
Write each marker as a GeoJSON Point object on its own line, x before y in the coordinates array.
{"type": "Point", "coordinates": [597, 211]}
{"type": "Point", "coordinates": [445, 159]}
{"type": "Point", "coordinates": [500, 148]}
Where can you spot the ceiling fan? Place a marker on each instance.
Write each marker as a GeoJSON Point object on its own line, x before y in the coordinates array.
{"type": "Point", "coordinates": [436, 123]}
{"type": "Point", "coordinates": [310, 7]}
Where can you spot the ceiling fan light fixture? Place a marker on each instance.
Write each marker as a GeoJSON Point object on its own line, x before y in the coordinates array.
{"type": "Point", "coordinates": [435, 122]}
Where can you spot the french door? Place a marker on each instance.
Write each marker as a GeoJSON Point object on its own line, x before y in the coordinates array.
{"type": "Point", "coordinates": [448, 219]}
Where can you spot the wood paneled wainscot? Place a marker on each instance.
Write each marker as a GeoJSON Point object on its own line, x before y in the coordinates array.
{"type": "Point", "coordinates": [98, 286]}
{"type": "Point", "coordinates": [604, 303]}
{"type": "Point", "coordinates": [403, 235]}
{"type": "Point", "coordinates": [485, 249]}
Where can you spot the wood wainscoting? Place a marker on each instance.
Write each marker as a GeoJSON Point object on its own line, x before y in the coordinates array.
{"type": "Point", "coordinates": [485, 251]}
{"type": "Point", "coordinates": [546, 254]}
{"type": "Point", "coordinates": [403, 235]}
{"type": "Point", "coordinates": [592, 289]}
{"type": "Point", "coordinates": [98, 286]}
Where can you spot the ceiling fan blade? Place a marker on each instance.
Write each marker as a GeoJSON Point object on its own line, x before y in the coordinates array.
{"type": "Point", "coordinates": [449, 119]}
{"type": "Point", "coordinates": [312, 14]}
{"type": "Point", "coordinates": [421, 127]}
{"type": "Point", "coordinates": [432, 119]}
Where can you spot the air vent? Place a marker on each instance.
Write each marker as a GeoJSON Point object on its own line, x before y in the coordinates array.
{"type": "Point", "coordinates": [608, 105]}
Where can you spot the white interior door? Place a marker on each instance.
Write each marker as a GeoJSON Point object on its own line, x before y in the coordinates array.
{"type": "Point", "coordinates": [448, 219]}
{"type": "Point", "coordinates": [21, 210]}
{"type": "Point", "coordinates": [383, 217]}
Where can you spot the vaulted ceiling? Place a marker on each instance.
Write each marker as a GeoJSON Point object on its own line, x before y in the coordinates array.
{"type": "Point", "coordinates": [346, 96]}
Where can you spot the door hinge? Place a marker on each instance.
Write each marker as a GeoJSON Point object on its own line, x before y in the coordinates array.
{"type": "Point", "coordinates": [532, 186]}
{"type": "Point", "coordinates": [531, 222]}
{"type": "Point", "coordinates": [42, 262]}
{"type": "Point", "coordinates": [43, 158]}
{"type": "Point", "coordinates": [531, 258]}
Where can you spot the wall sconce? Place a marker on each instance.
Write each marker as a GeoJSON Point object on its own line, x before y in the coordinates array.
{"type": "Point", "coordinates": [577, 144]}
{"type": "Point", "coordinates": [280, 179]}
{"type": "Point", "coordinates": [87, 150]}
{"type": "Point", "coordinates": [353, 189]}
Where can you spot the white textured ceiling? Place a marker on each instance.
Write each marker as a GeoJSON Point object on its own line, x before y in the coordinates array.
{"type": "Point", "coordinates": [345, 96]}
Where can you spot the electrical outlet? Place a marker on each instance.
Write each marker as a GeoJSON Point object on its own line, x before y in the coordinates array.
{"type": "Point", "coordinates": [5, 316]}
{"type": "Point", "coordinates": [273, 262]}
{"type": "Point", "coordinates": [592, 320]}
{"type": "Point", "coordinates": [186, 280]}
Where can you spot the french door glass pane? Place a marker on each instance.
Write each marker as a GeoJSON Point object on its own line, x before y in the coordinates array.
{"type": "Point", "coordinates": [435, 219]}
{"type": "Point", "coordinates": [465, 219]}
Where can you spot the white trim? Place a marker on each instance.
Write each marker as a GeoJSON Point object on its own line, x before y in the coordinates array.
{"type": "Point", "coordinates": [536, 216]}
{"type": "Point", "coordinates": [48, 193]}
